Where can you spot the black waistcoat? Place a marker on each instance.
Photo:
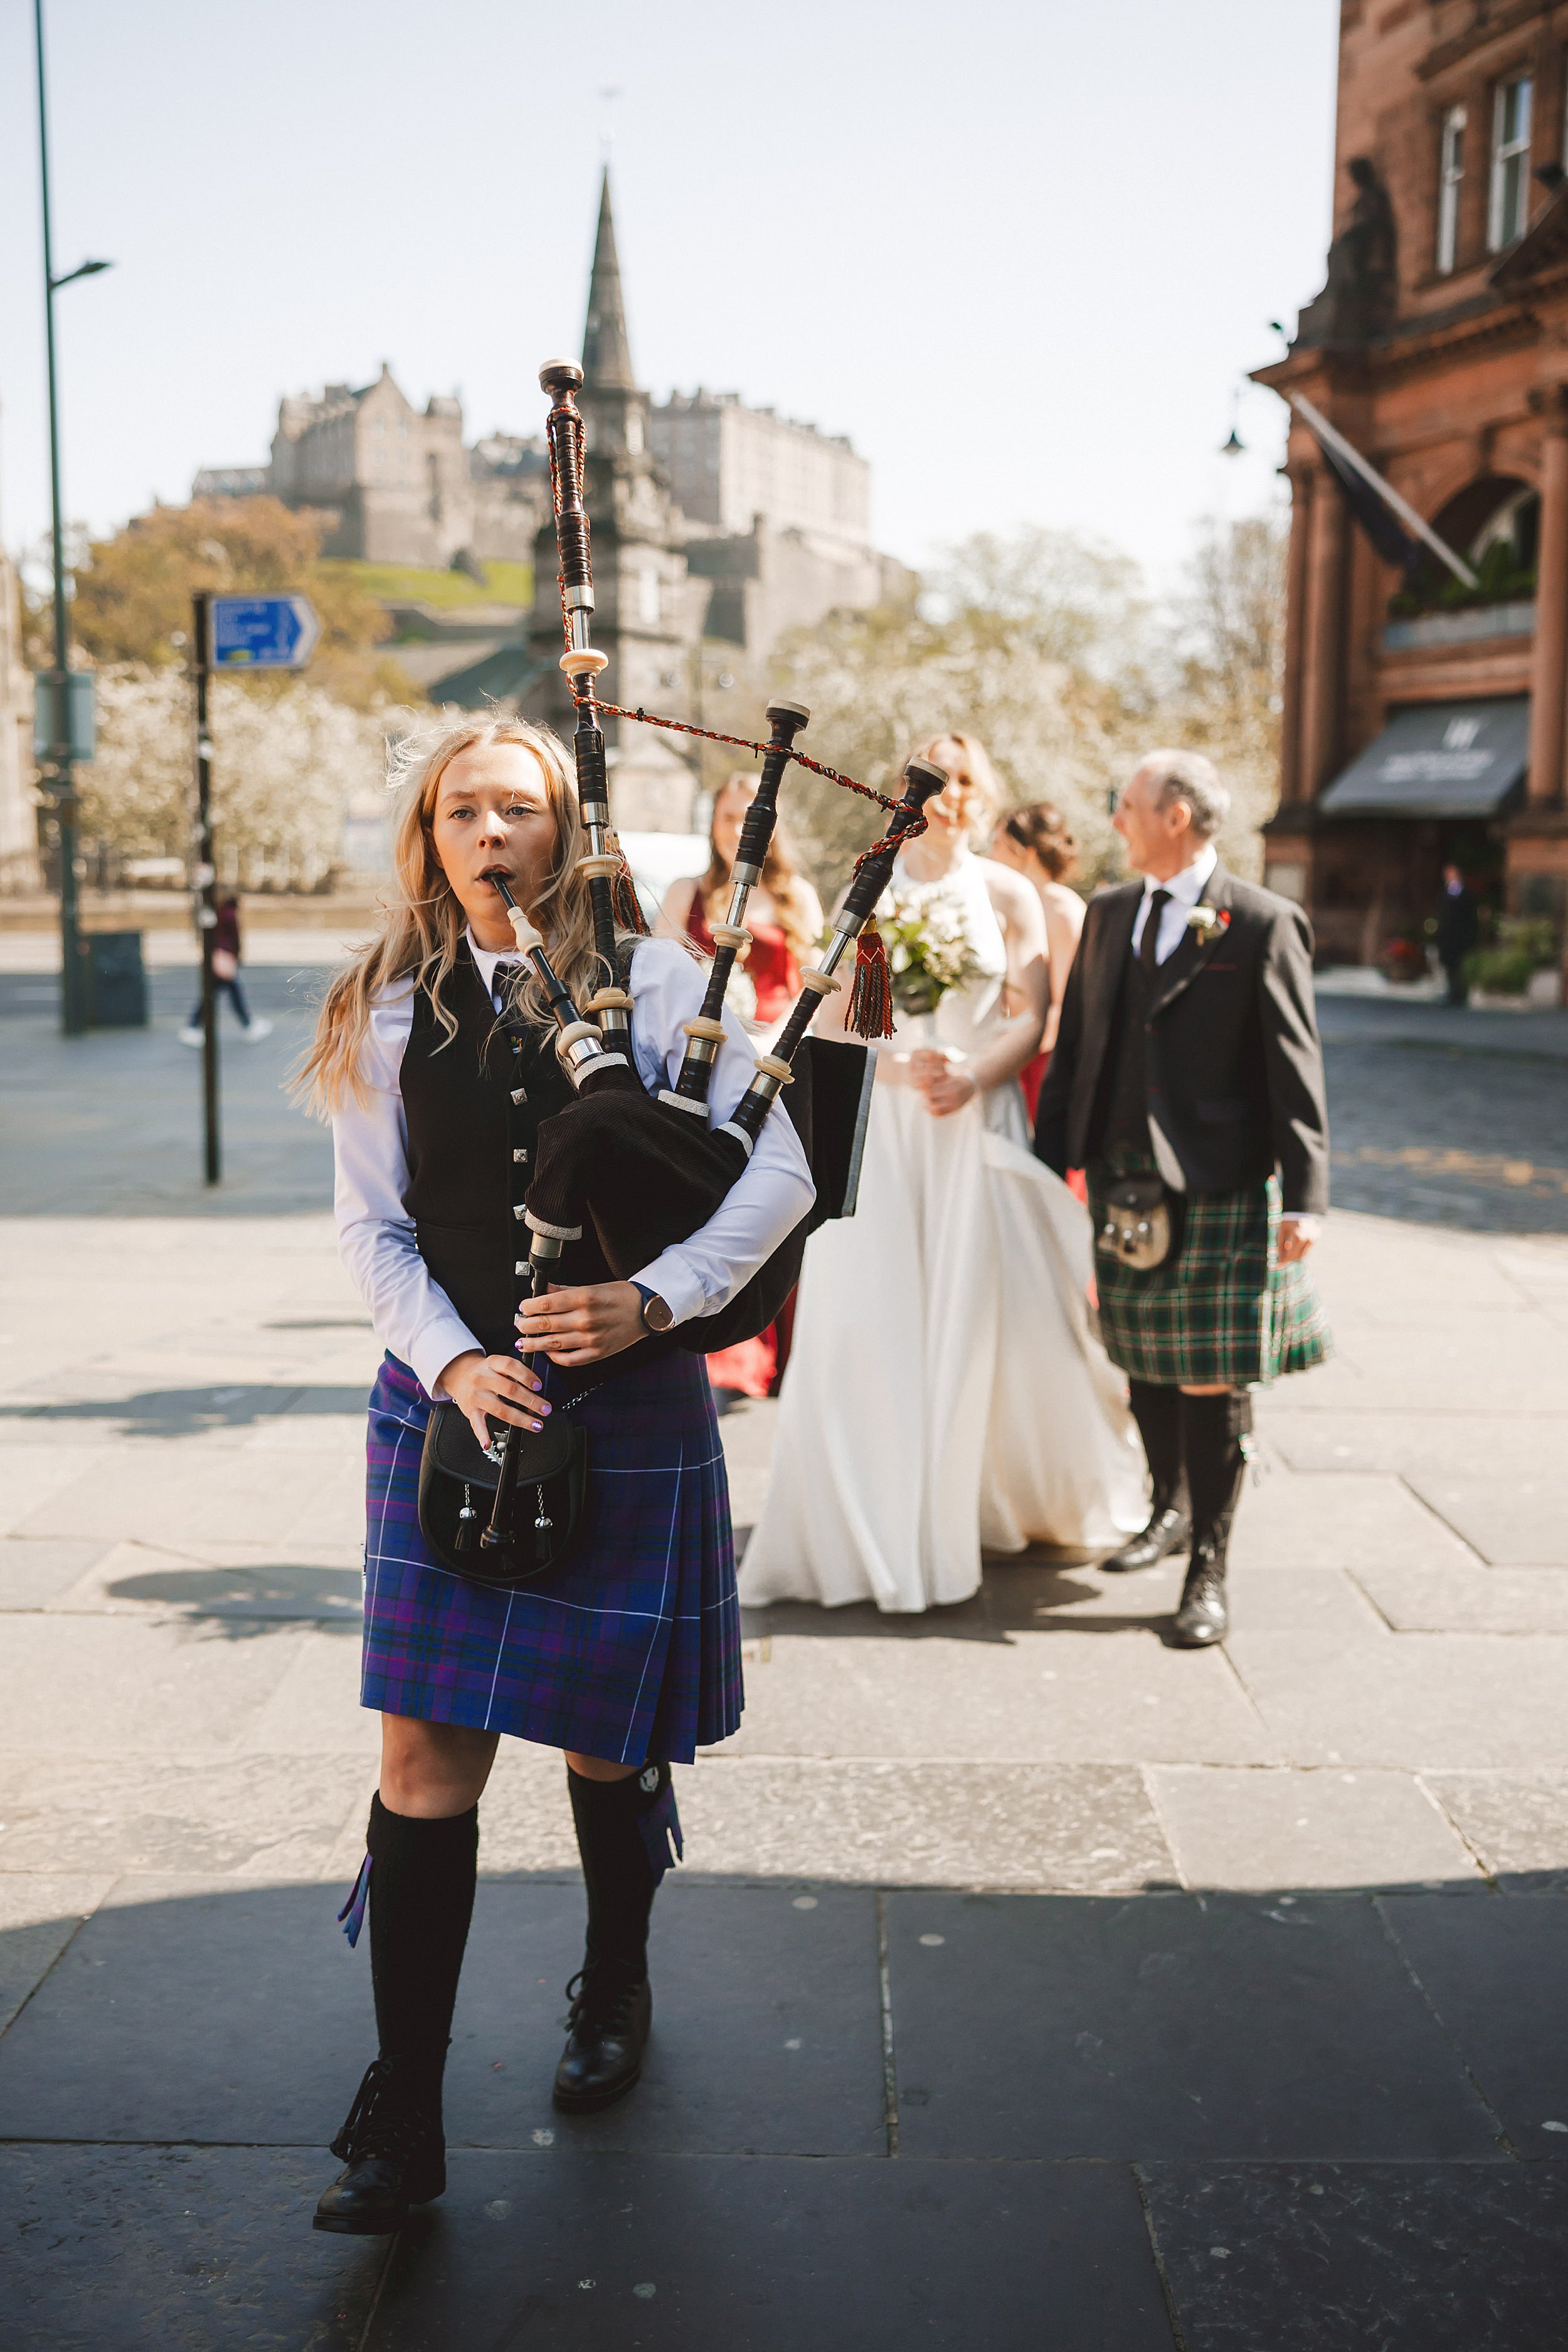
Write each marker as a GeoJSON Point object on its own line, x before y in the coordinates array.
{"type": "Point", "coordinates": [472, 1105]}
{"type": "Point", "coordinates": [1121, 1107]}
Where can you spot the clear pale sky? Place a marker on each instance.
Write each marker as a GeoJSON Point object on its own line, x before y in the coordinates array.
{"type": "Point", "coordinates": [1020, 250]}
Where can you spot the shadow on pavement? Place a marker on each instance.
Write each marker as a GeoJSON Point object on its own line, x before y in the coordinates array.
{"type": "Point", "coordinates": [870, 2117]}
{"type": "Point", "coordinates": [186, 1412]}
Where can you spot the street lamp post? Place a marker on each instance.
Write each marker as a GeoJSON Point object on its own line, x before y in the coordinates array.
{"type": "Point", "coordinates": [60, 739]}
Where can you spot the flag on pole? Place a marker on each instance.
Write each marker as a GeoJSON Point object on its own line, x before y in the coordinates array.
{"type": "Point", "coordinates": [1390, 523]}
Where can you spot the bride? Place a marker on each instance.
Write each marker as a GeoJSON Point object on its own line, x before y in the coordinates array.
{"type": "Point", "coordinates": [945, 1392]}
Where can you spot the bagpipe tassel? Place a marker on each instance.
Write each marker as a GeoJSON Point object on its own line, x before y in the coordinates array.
{"type": "Point", "coordinates": [871, 1001]}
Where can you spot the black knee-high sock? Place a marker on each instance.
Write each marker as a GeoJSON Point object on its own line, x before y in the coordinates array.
{"type": "Point", "coordinates": [1216, 1433]}
{"type": "Point", "coordinates": [422, 1879]}
{"type": "Point", "coordinates": [1158, 1412]}
{"type": "Point", "coordinates": [624, 1833]}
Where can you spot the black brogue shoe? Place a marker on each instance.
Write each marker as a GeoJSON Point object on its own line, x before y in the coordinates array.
{"type": "Point", "coordinates": [1204, 1616]}
{"type": "Point", "coordinates": [393, 2151]}
{"type": "Point", "coordinates": [608, 2028]}
{"type": "Point", "coordinates": [1166, 1532]}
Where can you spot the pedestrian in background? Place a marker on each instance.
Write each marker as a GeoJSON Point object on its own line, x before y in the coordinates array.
{"type": "Point", "coordinates": [225, 976]}
{"type": "Point", "coordinates": [1458, 926]}
{"type": "Point", "coordinates": [1188, 1081]}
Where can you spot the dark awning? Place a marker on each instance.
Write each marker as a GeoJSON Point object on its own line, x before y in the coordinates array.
{"type": "Point", "coordinates": [1437, 759]}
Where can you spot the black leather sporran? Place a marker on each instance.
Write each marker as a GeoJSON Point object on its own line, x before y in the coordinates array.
{"type": "Point", "coordinates": [458, 1482]}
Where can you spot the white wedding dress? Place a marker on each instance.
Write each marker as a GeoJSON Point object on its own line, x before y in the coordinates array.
{"type": "Point", "coordinates": [945, 1392]}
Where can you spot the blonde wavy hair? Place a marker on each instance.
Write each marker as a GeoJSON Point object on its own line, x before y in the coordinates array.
{"type": "Point", "coordinates": [424, 921]}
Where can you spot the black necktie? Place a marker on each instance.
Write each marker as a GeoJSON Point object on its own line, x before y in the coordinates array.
{"type": "Point", "coordinates": [1148, 946]}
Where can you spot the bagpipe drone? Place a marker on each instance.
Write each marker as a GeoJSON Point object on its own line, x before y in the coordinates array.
{"type": "Point", "coordinates": [644, 1170]}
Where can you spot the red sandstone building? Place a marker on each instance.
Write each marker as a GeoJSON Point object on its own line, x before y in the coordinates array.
{"type": "Point", "coordinates": [1423, 720]}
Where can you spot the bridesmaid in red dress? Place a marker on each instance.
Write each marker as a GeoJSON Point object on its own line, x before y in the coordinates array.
{"type": "Point", "coordinates": [1036, 841]}
{"type": "Point", "coordinates": [785, 918]}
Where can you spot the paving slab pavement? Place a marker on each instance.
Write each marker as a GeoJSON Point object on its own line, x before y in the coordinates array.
{"type": "Point", "coordinates": [1028, 1982]}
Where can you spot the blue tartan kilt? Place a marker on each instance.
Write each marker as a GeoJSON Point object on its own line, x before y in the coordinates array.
{"type": "Point", "coordinates": [632, 1650]}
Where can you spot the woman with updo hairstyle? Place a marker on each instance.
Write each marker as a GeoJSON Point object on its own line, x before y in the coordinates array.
{"type": "Point", "coordinates": [1037, 842]}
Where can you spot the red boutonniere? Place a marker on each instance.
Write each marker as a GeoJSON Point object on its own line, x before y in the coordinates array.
{"type": "Point", "coordinates": [1208, 922]}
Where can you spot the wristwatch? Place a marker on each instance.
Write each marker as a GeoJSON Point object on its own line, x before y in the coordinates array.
{"type": "Point", "coordinates": [656, 1315]}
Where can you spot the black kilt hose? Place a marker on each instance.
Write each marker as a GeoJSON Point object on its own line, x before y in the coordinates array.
{"type": "Point", "coordinates": [1218, 1044]}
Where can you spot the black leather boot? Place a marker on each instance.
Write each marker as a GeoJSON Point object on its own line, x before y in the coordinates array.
{"type": "Point", "coordinates": [606, 2031]}
{"type": "Point", "coordinates": [421, 1878]}
{"type": "Point", "coordinates": [392, 2149]}
{"type": "Point", "coordinates": [1216, 1433]}
{"type": "Point", "coordinates": [625, 1833]}
{"type": "Point", "coordinates": [1158, 1412]}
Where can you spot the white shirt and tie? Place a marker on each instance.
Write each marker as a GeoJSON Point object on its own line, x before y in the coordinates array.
{"type": "Point", "coordinates": [1182, 893]}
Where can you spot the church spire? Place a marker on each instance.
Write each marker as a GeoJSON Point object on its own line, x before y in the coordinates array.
{"type": "Point", "coordinates": [607, 353]}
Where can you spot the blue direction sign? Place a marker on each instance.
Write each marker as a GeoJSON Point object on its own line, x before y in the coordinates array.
{"type": "Point", "coordinates": [263, 632]}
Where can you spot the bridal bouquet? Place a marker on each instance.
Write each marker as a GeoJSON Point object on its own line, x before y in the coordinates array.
{"type": "Point", "coordinates": [929, 948]}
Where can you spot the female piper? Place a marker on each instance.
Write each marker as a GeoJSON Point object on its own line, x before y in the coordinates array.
{"type": "Point", "coordinates": [627, 1656]}
{"type": "Point", "coordinates": [784, 915]}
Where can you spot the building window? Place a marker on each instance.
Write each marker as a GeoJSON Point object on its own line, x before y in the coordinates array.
{"type": "Point", "coordinates": [647, 598]}
{"type": "Point", "coordinates": [1510, 161]}
{"type": "Point", "coordinates": [1450, 171]}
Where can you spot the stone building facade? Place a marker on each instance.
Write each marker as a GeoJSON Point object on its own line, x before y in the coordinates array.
{"type": "Point", "coordinates": [1425, 720]}
{"type": "Point", "coordinates": [398, 483]}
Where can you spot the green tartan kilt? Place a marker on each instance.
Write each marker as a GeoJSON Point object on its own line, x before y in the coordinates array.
{"type": "Point", "coordinates": [1220, 1308]}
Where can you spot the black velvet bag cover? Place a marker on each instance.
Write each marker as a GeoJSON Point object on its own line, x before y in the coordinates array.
{"type": "Point", "coordinates": [456, 1473]}
{"type": "Point", "coordinates": [648, 1177]}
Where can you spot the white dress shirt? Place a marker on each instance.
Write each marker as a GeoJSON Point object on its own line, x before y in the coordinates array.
{"type": "Point", "coordinates": [413, 1315]}
{"type": "Point", "coordinates": [1185, 889]}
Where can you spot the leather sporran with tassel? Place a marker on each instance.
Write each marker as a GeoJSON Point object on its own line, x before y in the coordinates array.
{"type": "Point", "coordinates": [458, 1482]}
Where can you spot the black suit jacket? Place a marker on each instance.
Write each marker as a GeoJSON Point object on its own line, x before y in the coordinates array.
{"type": "Point", "coordinates": [1234, 1067]}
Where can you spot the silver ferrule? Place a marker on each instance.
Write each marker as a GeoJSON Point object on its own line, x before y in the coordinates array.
{"type": "Point", "coordinates": [579, 603]}
{"type": "Point", "coordinates": [579, 1052]}
{"type": "Point", "coordinates": [766, 1086]}
{"type": "Point", "coordinates": [546, 1245]}
{"type": "Point", "coordinates": [701, 1049]}
{"type": "Point", "coordinates": [614, 1021]}
{"type": "Point", "coordinates": [744, 880]}
{"type": "Point", "coordinates": [748, 875]}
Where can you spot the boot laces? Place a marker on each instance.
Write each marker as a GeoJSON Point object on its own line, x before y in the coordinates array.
{"type": "Point", "coordinates": [386, 2119]}
{"type": "Point", "coordinates": [606, 2007]}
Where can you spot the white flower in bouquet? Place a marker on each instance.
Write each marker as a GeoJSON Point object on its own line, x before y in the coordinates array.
{"type": "Point", "coordinates": [929, 951]}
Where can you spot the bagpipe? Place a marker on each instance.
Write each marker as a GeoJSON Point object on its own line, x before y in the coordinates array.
{"type": "Point", "coordinates": [644, 1170]}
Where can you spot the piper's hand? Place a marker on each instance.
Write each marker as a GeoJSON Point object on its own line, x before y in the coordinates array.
{"type": "Point", "coordinates": [479, 1385]}
{"type": "Point", "coordinates": [582, 1327]}
{"type": "Point", "coordinates": [1296, 1236]}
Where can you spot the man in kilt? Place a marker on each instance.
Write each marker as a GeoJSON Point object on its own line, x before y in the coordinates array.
{"type": "Point", "coordinates": [1188, 1053]}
